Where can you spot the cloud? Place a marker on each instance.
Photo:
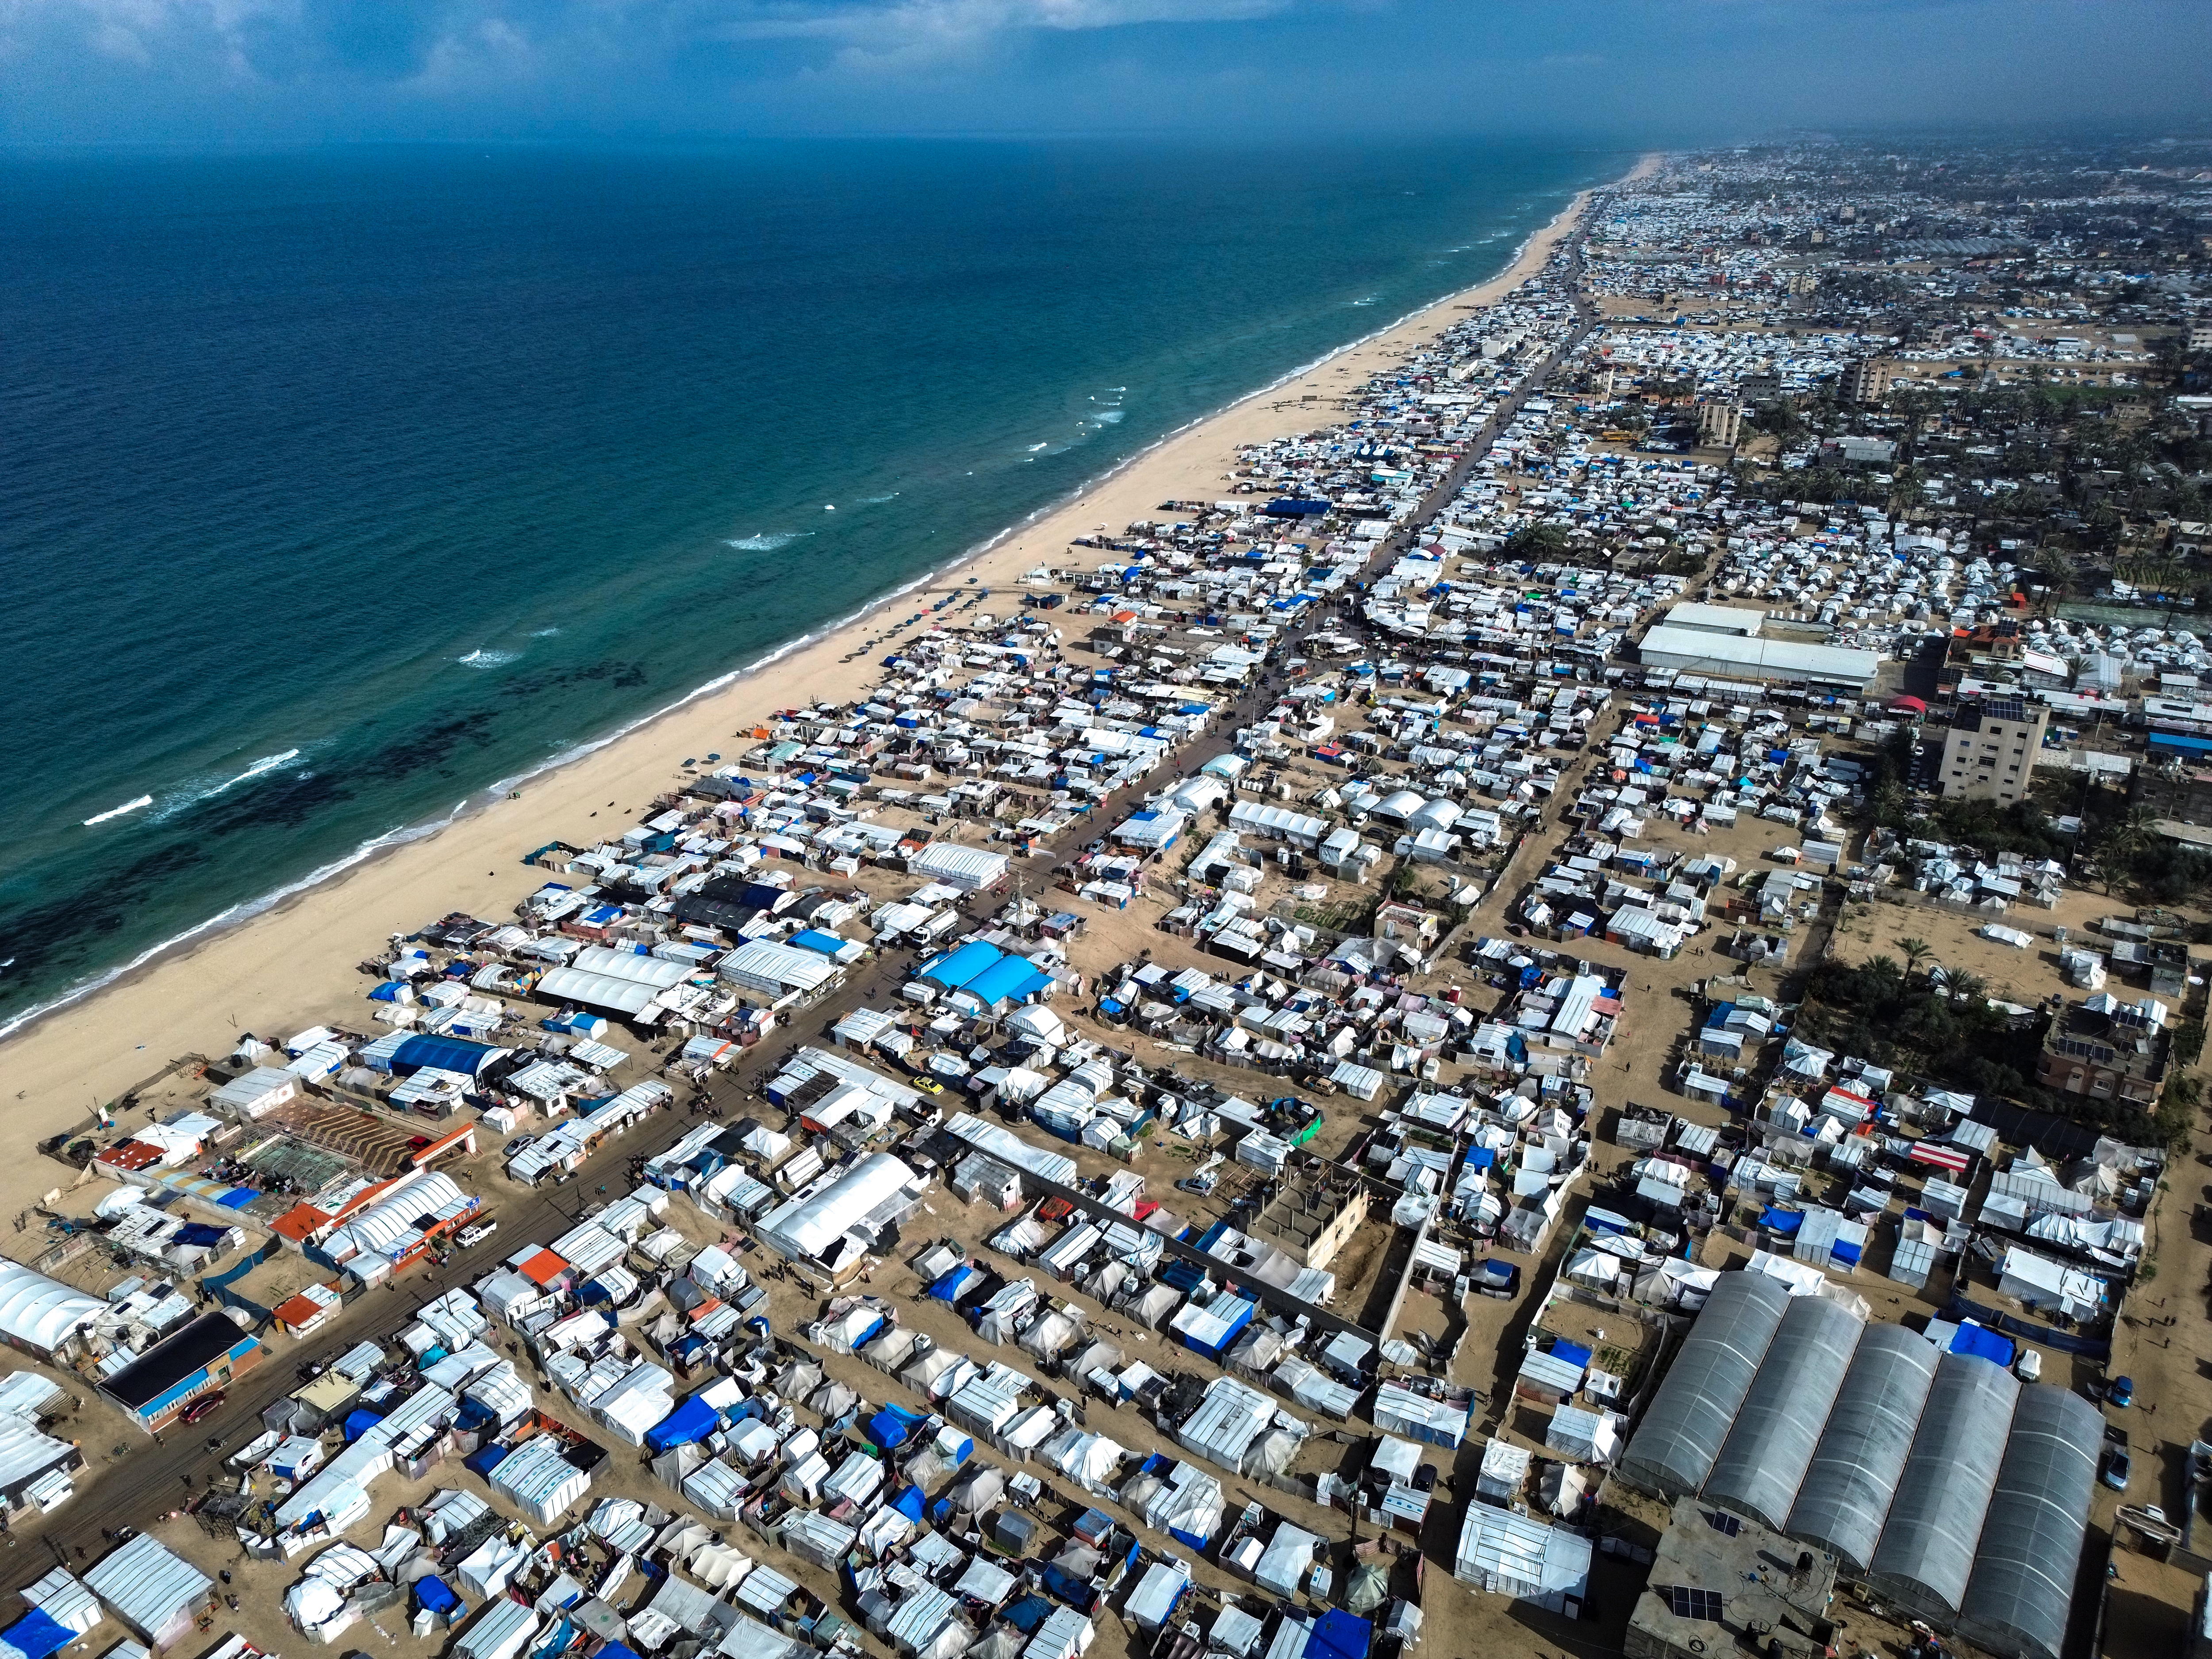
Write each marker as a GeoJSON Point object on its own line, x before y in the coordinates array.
{"type": "Point", "coordinates": [1676, 70]}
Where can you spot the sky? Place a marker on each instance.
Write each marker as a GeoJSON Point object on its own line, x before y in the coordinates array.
{"type": "Point", "coordinates": [253, 71]}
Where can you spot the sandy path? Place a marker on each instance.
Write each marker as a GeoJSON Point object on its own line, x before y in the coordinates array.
{"type": "Point", "coordinates": [271, 975]}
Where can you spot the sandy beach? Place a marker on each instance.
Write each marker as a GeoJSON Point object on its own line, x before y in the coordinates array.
{"type": "Point", "coordinates": [270, 973]}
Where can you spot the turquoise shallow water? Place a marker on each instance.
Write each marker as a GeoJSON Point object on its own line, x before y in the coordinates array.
{"type": "Point", "coordinates": [342, 484]}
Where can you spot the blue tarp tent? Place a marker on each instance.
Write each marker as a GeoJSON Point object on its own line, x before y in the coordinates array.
{"type": "Point", "coordinates": [890, 1427]}
{"type": "Point", "coordinates": [1981, 1341]}
{"type": "Point", "coordinates": [358, 1423]}
{"type": "Point", "coordinates": [434, 1594]}
{"type": "Point", "coordinates": [949, 1287]}
{"type": "Point", "coordinates": [956, 968]}
{"type": "Point", "coordinates": [690, 1422]}
{"type": "Point", "coordinates": [814, 939]}
{"type": "Point", "coordinates": [1290, 509]}
{"type": "Point", "coordinates": [484, 1459]}
{"type": "Point", "coordinates": [1339, 1635]}
{"type": "Point", "coordinates": [1776, 1220]}
{"type": "Point", "coordinates": [1026, 1614]}
{"type": "Point", "coordinates": [1235, 1317]}
{"type": "Point", "coordinates": [35, 1636]}
{"type": "Point", "coordinates": [910, 1503]}
{"type": "Point", "coordinates": [1007, 980]}
{"type": "Point", "coordinates": [1572, 1353]}
{"type": "Point", "coordinates": [446, 1054]}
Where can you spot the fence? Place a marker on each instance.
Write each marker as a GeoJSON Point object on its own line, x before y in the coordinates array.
{"type": "Point", "coordinates": [218, 1285]}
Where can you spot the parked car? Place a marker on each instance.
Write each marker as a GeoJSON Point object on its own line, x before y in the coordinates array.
{"type": "Point", "coordinates": [474, 1235]}
{"type": "Point", "coordinates": [2028, 1366]}
{"type": "Point", "coordinates": [205, 1406]}
{"type": "Point", "coordinates": [2119, 1466]}
{"type": "Point", "coordinates": [2120, 1392]}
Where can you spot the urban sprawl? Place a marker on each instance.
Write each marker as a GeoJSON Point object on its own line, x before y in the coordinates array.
{"type": "Point", "coordinates": [1563, 1020]}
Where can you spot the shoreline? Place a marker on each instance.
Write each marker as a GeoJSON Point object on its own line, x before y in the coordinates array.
{"type": "Point", "coordinates": [57, 1044]}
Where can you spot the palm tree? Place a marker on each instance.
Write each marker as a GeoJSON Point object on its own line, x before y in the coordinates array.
{"type": "Point", "coordinates": [1881, 976]}
{"type": "Point", "coordinates": [1968, 987]}
{"type": "Point", "coordinates": [1916, 951]}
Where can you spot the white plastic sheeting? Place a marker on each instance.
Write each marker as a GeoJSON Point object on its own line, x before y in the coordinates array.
{"type": "Point", "coordinates": [41, 1314]}
{"type": "Point", "coordinates": [1682, 1432]}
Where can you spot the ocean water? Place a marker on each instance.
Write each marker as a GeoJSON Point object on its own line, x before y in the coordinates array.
{"type": "Point", "coordinates": [342, 486]}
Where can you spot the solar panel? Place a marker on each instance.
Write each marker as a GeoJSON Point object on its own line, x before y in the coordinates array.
{"type": "Point", "coordinates": [1721, 1521]}
{"type": "Point", "coordinates": [1688, 1603]}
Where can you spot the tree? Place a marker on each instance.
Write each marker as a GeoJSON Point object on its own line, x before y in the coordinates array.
{"type": "Point", "coordinates": [1916, 951]}
{"type": "Point", "coordinates": [1881, 977]}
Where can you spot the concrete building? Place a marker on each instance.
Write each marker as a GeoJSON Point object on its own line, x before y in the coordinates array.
{"type": "Point", "coordinates": [2107, 1049]}
{"type": "Point", "coordinates": [1989, 753]}
{"type": "Point", "coordinates": [200, 1357]}
{"type": "Point", "coordinates": [1718, 425]}
{"type": "Point", "coordinates": [1863, 382]}
{"type": "Point", "coordinates": [1310, 1221]}
{"type": "Point", "coordinates": [1717, 1581]}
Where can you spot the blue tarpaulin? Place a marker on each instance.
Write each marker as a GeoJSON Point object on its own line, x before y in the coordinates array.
{"type": "Point", "coordinates": [690, 1422]}
{"type": "Point", "coordinates": [1339, 1635]}
{"type": "Point", "coordinates": [35, 1635]}
{"type": "Point", "coordinates": [358, 1423]}
{"type": "Point", "coordinates": [1007, 980]}
{"type": "Point", "coordinates": [910, 1503]}
{"type": "Point", "coordinates": [434, 1594]}
{"type": "Point", "coordinates": [890, 1427]}
{"type": "Point", "coordinates": [949, 1287]}
{"type": "Point", "coordinates": [484, 1459]}
{"type": "Point", "coordinates": [1026, 1614]}
{"type": "Point", "coordinates": [1777, 1220]}
{"type": "Point", "coordinates": [1981, 1340]}
{"type": "Point", "coordinates": [1572, 1353]}
{"type": "Point", "coordinates": [814, 939]}
{"type": "Point", "coordinates": [446, 1054]}
{"type": "Point", "coordinates": [956, 968]}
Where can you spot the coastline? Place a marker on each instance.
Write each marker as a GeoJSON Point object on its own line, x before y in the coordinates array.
{"type": "Point", "coordinates": [263, 962]}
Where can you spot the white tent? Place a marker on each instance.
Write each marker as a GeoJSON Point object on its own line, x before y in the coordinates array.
{"type": "Point", "coordinates": [504, 1629]}
{"type": "Point", "coordinates": [1286, 1560]}
{"type": "Point", "coordinates": [539, 1481]}
{"type": "Point", "coordinates": [1509, 1554]}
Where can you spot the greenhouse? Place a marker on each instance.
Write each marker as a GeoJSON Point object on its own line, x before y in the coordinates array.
{"type": "Point", "coordinates": [1845, 1494]}
{"type": "Point", "coordinates": [2016, 1601]}
{"type": "Point", "coordinates": [1927, 1549]}
{"type": "Point", "coordinates": [1690, 1417]}
{"type": "Point", "coordinates": [1767, 1454]}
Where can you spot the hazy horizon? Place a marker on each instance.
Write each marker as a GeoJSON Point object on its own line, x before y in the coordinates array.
{"type": "Point", "coordinates": [1668, 72]}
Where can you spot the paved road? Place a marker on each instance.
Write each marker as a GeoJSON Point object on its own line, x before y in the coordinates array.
{"type": "Point", "coordinates": [153, 1479]}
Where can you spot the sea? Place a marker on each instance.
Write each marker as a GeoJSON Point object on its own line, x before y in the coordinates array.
{"type": "Point", "coordinates": [345, 488]}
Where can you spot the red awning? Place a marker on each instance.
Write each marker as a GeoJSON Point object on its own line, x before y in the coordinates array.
{"type": "Point", "coordinates": [1943, 1157]}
